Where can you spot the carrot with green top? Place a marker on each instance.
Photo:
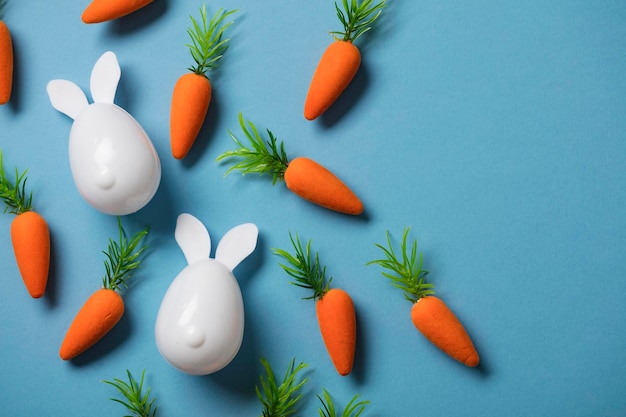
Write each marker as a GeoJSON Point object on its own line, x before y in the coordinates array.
{"type": "Point", "coordinates": [135, 400]}
{"type": "Point", "coordinates": [303, 176]}
{"type": "Point", "coordinates": [334, 307]}
{"type": "Point", "coordinates": [353, 409]}
{"type": "Point", "coordinates": [100, 11]}
{"type": "Point", "coordinates": [279, 398]}
{"type": "Point", "coordinates": [342, 59]}
{"type": "Point", "coordinates": [30, 235]}
{"type": "Point", "coordinates": [429, 314]}
{"type": "Point", "coordinates": [6, 59]}
{"type": "Point", "coordinates": [104, 309]}
{"type": "Point", "coordinates": [192, 92]}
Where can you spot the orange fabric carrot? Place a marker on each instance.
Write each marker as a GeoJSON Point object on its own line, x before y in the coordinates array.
{"type": "Point", "coordinates": [192, 92]}
{"type": "Point", "coordinates": [105, 307]}
{"type": "Point", "coordinates": [334, 307]}
{"type": "Point", "coordinates": [100, 11]}
{"type": "Point", "coordinates": [430, 315]}
{"type": "Point", "coordinates": [30, 235]}
{"type": "Point", "coordinates": [341, 60]}
{"type": "Point", "coordinates": [303, 176]}
{"type": "Point", "coordinates": [6, 61]}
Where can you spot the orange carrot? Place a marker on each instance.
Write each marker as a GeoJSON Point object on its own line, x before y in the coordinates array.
{"type": "Point", "coordinates": [429, 314]}
{"type": "Point", "coordinates": [192, 92]}
{"type": "Point", "coordinates": [303, 176]}
{"type": "Point", "coordinates": [341, 60]}
{"type": "Point", "coordinates": [334, 307]}
{"type": "Point", "coordinates": [30, 234]}
{"type": "Point", "coordinates": [100, 11]}
{"type": "Point", "coordinates": [104, 309]}
{"type": "Point", "coordinates": [6, 62]}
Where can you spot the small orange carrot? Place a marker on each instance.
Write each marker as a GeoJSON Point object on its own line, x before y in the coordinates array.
{"type": "Point", "coordinates": [30, 234]}
{"type": "Point", "coordinates": [430, 315]}
{"type": "Point", "coordinates": [341, 60]}
{"type": "Point", "coordinates": [192, 92]}
{"type": "Point", "coordinates": [105, 307]}
{"type": "Point", "coordinates": [100, 11]}
{"type": "Point", "coordinates": [6, 60]}
{"type": "Point", "coordinates": [303, 176]}
{"type": "Point", "coordinates": [334, 307]}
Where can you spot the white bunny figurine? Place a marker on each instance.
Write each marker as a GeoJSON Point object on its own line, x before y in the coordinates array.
{"type": "Point", "coordinates": [199, 327]}
{"type": "Point", "coordinates": [114, 164]}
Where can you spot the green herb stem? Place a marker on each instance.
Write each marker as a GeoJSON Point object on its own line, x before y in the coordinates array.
{"type": "Point", "coordinates": [135, 401]}
{"type": "Point", "coordinates": [279, 399]}
{"type": "Point", "coordinates": [353, 409]}
{"type": "Point", "coordinates": [356, 18]}
{"type": "Point", "coordinates": [207, 46]}
{"type": "Point", "coordinates": [14, 194]}
{"type": "Point", "coordinates": [122, 258]}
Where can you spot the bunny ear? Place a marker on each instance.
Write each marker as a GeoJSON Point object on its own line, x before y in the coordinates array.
{"type": "Point", "coordinates": [66, 97]}
{"type": "Point", "coordinates": [193, 238]}
{"type": "Point", "coordinates": [104, 78]}
{"type": "Point", "coordinates": [236, 245]}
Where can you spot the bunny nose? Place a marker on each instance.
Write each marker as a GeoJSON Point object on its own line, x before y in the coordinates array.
{"type": "Point", "coordinates": [105, 179]}
{"type": "Point", "coordinates": [194, 337]}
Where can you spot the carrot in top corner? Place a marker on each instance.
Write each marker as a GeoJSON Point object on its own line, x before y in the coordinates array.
{"type": "Point", "coordinates": [334, 307]}
{"type": "Point", "coordinates": [342, 59]}
{"type": "Point", "coordinates": [105, 307]}
{"type": "Point", "coordinates": [6, 59]}
{"type": "Point", "coordinates": [100, 11]}
{"type": "Point", "coordinates": [303, 176]}
{"type": "Point", "coordinates": [30, 234]}
{"type": "Point", "coordinates": [192, 92]}
{"type": "Point", "coordinates": [429, 314]}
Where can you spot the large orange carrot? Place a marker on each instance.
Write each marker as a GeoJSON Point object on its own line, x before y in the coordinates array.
{"type": "Point", "coordinates": [430, 315]}
{"type": "Point", "coordinates": [100, 11]}
{"type": "Point", "coordinates": [192, 92]}
{"type": "Point", "coordinates": [30, 234]}
{"type": "Point", "coordinates": [303, 176]}
{"type": "Point", "coordinates": [341, 60]}
{"type": "Point", "coordinates": [6, 61]}
{"type": "Point", "coordinates": [334, 307]}
{"type": "Point", "coordinates": [104, 309]}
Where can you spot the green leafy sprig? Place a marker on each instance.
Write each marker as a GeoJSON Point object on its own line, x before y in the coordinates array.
{"type": "Point", "coordinates": [279, 399]}
{"type": "Point", "coordinates": [207, 46]}
{"type": "Point", "coordinates": [356, 18]}
{"type": "Point", "coordinates": [122, 258]}
{"type": "Point", "coordinates": [261, 157]}
{"type": "Point", "coordinates": [138, 403]}
{"type": "Point", "coordinates": [14, 193]}
{"type": "Point", "coordinates": [353, 409]}
{"type": "Point", "coordinates": [305, 268]}
{"type": "Point", "coordinates": [405, 272]}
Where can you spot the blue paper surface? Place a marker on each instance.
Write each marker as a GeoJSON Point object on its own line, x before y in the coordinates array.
{"type": "Point", "coordinates": [494, 129]}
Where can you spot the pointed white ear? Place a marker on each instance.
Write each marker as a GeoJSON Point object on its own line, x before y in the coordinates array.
{"type": "Point", "coordinates": [193, 238]}
{"type": "Point", "coordinates": [236, 245]}
{"type": "Point", "coordinates": [104, 78]}
{"type": "Point", "coordinates": [66, 97]}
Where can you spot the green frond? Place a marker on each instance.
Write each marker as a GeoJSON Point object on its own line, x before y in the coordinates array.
{"type": "Point", "coordinates": [135, 401]}
{"type": "Point", "coordinates": [356, 18]}
{"type": "Point", "coordinates": [305, 269]}
{"type": "Point", "coordinates": [14, 194]}
{"type": "Point", "coordinates": [207, 46]}
{"type": "Point", "coordinates": [260, 157]}
{"type": "Point", "coordinates": [279, 399]}
{"type": "Point", "coordinates": [405, 272]}
{"type": "Point", "coordinates": [353, 409]}
{"type": "Point", "coordinates": [122, 258]}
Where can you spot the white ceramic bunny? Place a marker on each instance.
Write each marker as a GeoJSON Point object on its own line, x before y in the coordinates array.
{"type": "Point", "coordinates": [114, 164]}
{"type": "Point", "coordinates": [199, 327]}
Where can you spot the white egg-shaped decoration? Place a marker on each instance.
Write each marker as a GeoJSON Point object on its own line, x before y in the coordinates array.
{"type": "Point", "coordinates": [200, 324]}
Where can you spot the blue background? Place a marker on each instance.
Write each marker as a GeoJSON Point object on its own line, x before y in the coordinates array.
{"type": "Point", "coordinates": [496, 130]}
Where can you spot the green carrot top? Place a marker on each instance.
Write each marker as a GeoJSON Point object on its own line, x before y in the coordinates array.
{"type": "Point", "coordinates": [356, 18]}
{"type": "Point", "coordinates": [261, 157]}
{"type": "Point", "coordinates": [306, 270]}
{"type": "Point", "coordinates": [405, 272]}
{"type": "Point", "coordinates": [280, 399]}
{"type": "Point", "coordinates": [122, 259]}
{"type": "Point", "coordinates": [136, 401]}
{"type": "Point", "coordinates": [207, 46]}
{"type": "Point", "coordinates": [14, 194]}
{"type": "Point", "coordinates": [353, 408]}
